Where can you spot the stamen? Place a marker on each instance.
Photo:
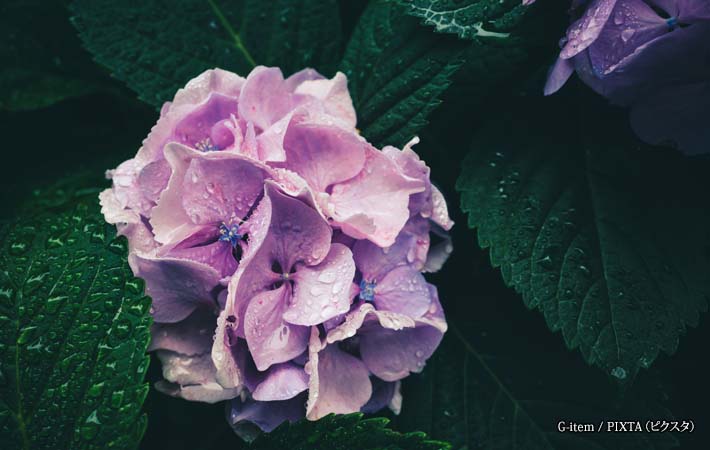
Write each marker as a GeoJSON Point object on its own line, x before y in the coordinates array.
{"type": "Point", "coordinates": [367, 290]}
{"type": "Point", "coordinates": [205, 145]}
{"type": "Point", "coordinates": [672, 22]}
{"type": "Point", "coordinates": [230, 234]}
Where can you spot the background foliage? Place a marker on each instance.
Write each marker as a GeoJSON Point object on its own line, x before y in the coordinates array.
{"type": "Point", "coordinates": [547, 185]}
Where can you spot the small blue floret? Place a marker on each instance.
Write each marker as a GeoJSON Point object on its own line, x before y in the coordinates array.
{"type": "Point", "coordinates": [672, 22]}
{"type": "Point", "coordinates": [367, 290]}
{"type": "Point", "coordinates": [230, 234]}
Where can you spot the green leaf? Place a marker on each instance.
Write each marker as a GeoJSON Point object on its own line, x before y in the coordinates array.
{"type": "Point", "coordinates": [397, 71]}
{"type": "Point", "coordinates": [74, 327]}
{"type": "Point", "coordinates": [43, 62]}
{"type": "Point", "coordinates": [157, 46]}
{"type": "Point", "coordinates": [516, 400]}
{"type": "Point", "coordinates": [467, 18]}
{"type": "Point", "coordinates": [581, 221]}
{"type": "Point", "coordinates": [343, 432]}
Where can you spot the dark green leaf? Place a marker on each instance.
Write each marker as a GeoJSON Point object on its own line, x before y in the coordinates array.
{"type": "Point", "coordinates": [583, 224]}
{"type": "Point", "coordinates": [157, 46]}
{"type": "Point", "coordinates": [43, 62]}
{"type": "Point", "coordinates": [74, 329]}
{"type": "Point", "coordinates": [396, 72]}
{"type": "Point", "coordinates": [515, 401]}
{"type": "Point", "coordinates": [343, 432]}
{"type": "Point", "coordinates": [469, 19]}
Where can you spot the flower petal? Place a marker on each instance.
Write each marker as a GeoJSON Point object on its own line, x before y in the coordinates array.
{"type": "Point", "coordinates": [281, 382]}
{"type": "Point", "coordinates": [585, 31]}
{"type": "Point", "coordinates": [322, 152]}
{"type": "Point", "coordinates": [374, 204]}
{"type": "Point", "coordinates": [264, 415]}
{"type": "Point", "coordinates": [176, 286]}
{"type": "Point", "coordinates": [404, 291]}
{"type": "Point", "coordinates": [191, 378]}
{"type": "Point", "coordinates": [339, 382]}
{"type": "Point", "coordinates": [191, 336]}
{"type": "Point", "coordinates": [272, 340]}
{"type": "Point", "coordinates": [321, 292]}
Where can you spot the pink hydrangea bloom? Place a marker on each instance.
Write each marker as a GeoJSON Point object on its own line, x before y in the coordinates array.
{"type": "Point", "coordinates": [282, 251]}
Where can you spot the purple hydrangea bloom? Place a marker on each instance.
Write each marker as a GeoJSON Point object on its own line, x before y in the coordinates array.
{"type": "Point", "coordinates": [282, 251]}
{"type": "Point", "coordinates": [650, 55]}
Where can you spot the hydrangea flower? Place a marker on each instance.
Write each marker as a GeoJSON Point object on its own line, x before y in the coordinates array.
{"type": "Point", "coordinates": [650, 55]}
{"type": "Point", "coordinates": [282, 251]}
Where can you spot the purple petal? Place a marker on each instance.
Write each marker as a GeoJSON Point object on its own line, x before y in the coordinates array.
{"type": "Point", "coordinates": [322, 292]}
{"type": "Point", "coordinates": [203, 246]}
{"type": "Point", "coordinates": [265, 415]}
{"type": "Point", "coordinates": [191, 336]}
{"type": "Point", "coordinates": [375, 262]}
{"type": "Point", "coordinates": [221, 190]}
{"type": "Point", "coordinates": [404, 291]}
{"type": "Point", "coordinates": [384, 394]}
{"type": "Point", "coordinates": [558, 75]}
{"type": "Point", "coordinates": [585, 31]}
{"type": "Point", "coordinates": [176, 286]}
{"type": "Point", "coordinates": [281, 382]}
{"type": "Point", "coordinates": [633, 24]}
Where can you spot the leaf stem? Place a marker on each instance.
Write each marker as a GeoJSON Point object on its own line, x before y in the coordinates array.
{"type": "Point", "coordinates": [235, 36]}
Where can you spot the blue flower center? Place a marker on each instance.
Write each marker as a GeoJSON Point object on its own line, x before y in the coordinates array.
{"type": "Point", "coordinates": [230, 234]}
{"type": "Point", "coordinates": [206, 145]}
{"type": "Point", "coordinates": [672, 22]}
{"type": "Point", "coordinates": [367, 290]}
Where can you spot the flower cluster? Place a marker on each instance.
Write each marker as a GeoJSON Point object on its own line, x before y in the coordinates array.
{"type": "Point", "coordinates": [650, 55]}
{"type": "Point", "coordinates": [282, 251]}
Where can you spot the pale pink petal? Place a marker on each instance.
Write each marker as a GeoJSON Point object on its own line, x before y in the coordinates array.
{"type": "Point", "coordinates": [281, 382]}
{"type": "Point", "coordinates": [265, 98]}
{"type": "Point", "coordinates": [339, 382]}
{"type": "Point", "coordinates": [334, 95]}
{"type": "Point", "coordinates": [320, 153]}
{"type": "Point", "coordinates": [404, 291]}
{"type": "Point", "coordinates": [191, 378]}
{"type": "Point", "coordinates": [272, 340]}
{"type": "Point", "coordinates": [321, 292]}
{"type": "Point", "coordinates": [374, 204]}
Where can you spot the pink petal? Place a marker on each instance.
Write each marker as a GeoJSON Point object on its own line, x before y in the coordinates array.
{"type": "Point", "coordinates": [355, 319]}
{"type": "Point", "coordinates": [404, 291]}
{"type": "Point", "coordinates": [221, 189]}
{"type": "Point", "coordinates": [281, 382]}
{"type": "Point", "coordinates": [374, 204]}
{"type": "Point", "coordinates": [339, 382]}
{"type": "Point", "coordinates": [375, 262]}
{"type": "Point", "coordinates": [334, 95]}
{"type": "Point", "coordinates": [321, 292]}
{"type": "Point", "coordinates": [265, 98]}
{"type": "Point", "coordinates": [322, 153]}
{"type": "Point", "coordinates": [191, 378]}
{"type": "Point", "coordinates": [272, 340]}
